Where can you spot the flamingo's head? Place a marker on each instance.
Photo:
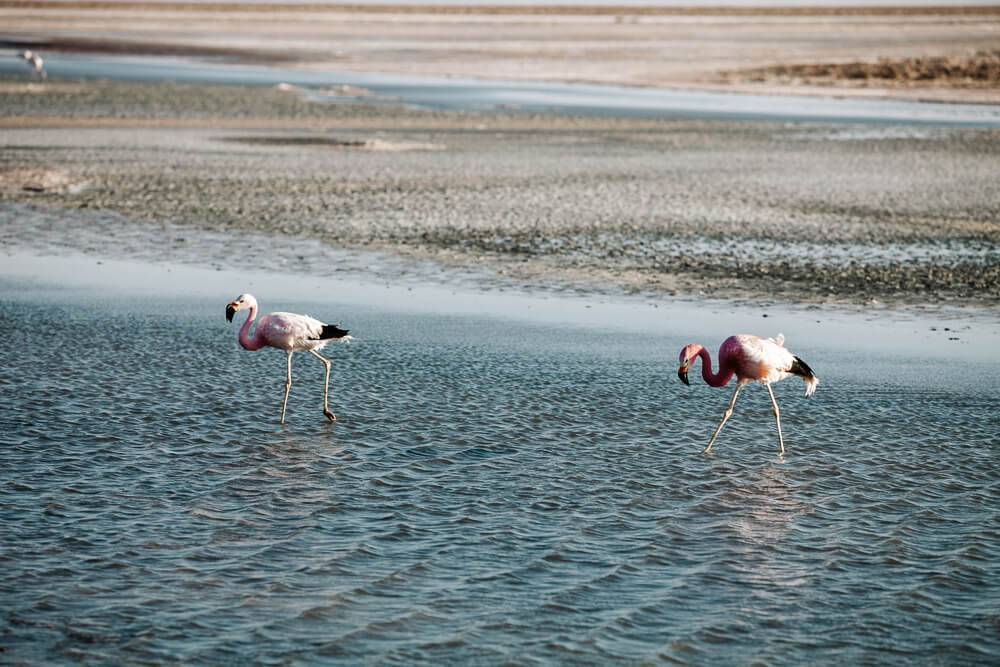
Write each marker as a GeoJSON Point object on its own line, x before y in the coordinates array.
{"type": "Point", "coordinates": [242, 302]}
{"type": "Point", "coordinates": [688, 355]}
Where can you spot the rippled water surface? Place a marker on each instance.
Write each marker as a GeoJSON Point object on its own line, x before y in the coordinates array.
{"type": "Point", "coordinates": [496, 491]}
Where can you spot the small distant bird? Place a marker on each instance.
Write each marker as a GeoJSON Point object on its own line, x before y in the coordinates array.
{"type": "Point", "coordinates": [750, 359]}
{"type": "Point", "coordinates": [289, 332]}
{"type": "Point", "coordinates": [34, 61]}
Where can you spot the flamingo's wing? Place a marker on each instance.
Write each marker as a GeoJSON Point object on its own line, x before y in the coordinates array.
{"type": "Point", "coordinates": [289, 331]}
{"type": "Point", "coordinates": [765, 360]}
{"type": "Point", "coordinates": [761, 359]}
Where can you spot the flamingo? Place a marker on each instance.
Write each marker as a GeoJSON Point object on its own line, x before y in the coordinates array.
{"type": "Point", "coordinates": [751, 359]}
{"type": "Point", "coordinates": [289, 332]}
{"type": "Point", "coordinates": [34, 61]}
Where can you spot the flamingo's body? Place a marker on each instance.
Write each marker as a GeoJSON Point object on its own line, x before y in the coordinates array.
{"type": "Point", "coordinates": [289, 332]}
{"type": "Point", "coordinates": [750, 359]}
{"type": "Point", "coordinates": [34, 61]}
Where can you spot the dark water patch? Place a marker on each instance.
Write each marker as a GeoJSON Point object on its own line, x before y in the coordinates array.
{"type": "Point", "coordinates": [300, 141]}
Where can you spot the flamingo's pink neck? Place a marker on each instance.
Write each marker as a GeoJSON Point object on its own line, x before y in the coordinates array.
{"type": "Point", "coordinates": [719, 379]}
{"type": "Point", "coordinates": [246, 340]}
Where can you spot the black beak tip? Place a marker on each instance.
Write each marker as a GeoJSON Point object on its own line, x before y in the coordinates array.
{"type": "Point", "coordinates": [230, 311]}
{"type": "Point", "coordinates": [682, 374]}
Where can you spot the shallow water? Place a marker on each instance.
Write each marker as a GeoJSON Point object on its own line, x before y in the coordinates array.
{"type": "Point", "coordinates": [465, 94]}
{"type": "Point", "coordinates": [500, 488]}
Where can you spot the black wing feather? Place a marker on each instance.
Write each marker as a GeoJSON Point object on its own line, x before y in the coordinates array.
{"type": "Point", "coordinates": [801, 368]}
{"type": "Point", "coordinates": [331, 331]}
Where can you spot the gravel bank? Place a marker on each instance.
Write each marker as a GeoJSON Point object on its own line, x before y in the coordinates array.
{"type": "Point", "coordinates": [803, 213]}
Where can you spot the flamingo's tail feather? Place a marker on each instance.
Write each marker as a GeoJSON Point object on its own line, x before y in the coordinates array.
{"type": "Point", "coordinates": [802, 369]}
{"type": "Point", "coordinates": [331, 331]}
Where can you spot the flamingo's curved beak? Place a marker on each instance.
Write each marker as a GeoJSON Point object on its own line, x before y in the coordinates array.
{"type": "Point", "coordinates": [231, 310]}
{"type": "Point", "coordinates": [682, 373]}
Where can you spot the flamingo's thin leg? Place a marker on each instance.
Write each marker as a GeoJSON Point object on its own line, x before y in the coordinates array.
{"type": "Point", "coordinates": [777, 417]}
{"type": "Point", "coordinates": [326, 386]}
{"type": "Point", "coordinates": [288, 385]}
{"type": "Point", "coordinates": [729, 413]}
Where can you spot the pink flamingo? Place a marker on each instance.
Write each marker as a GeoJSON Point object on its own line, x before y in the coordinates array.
{"type": "Point", "coordinates": [289, 332]}
{"type": "Point", "coordinates": [751, 359]}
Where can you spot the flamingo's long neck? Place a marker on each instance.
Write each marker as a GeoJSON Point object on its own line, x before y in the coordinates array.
{"type": "Point", "coordinates": [246, 340]}
{"type": "Point", "coordinates": [715, 379]}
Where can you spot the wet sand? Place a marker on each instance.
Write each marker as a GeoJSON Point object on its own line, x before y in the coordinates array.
{"type": "Point", "coordinates": [802, 213]}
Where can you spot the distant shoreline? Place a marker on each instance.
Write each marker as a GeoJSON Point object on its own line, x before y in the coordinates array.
{"type": "Point", "coordinates": [946, 54]}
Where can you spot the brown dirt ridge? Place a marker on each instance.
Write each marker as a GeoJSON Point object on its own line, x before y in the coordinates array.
{"type": "Point", "coordinates": [978, 69]}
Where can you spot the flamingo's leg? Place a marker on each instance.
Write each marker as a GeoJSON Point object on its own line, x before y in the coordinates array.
{"type": "Point", "coordinates": [777, 417]}
{"type": "Point", "coordinates": [288, 386]}
{"type": "Point", "coordinates": [326, 386]}
{"type": "Point", "coordinates": [729, 413]}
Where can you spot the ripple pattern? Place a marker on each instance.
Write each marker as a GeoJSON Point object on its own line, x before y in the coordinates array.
{"type": "Point", "coordinates": [496, 493]}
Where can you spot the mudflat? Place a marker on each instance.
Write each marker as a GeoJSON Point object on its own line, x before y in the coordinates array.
{"type": "Point", "coordinates": [799, 212]}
